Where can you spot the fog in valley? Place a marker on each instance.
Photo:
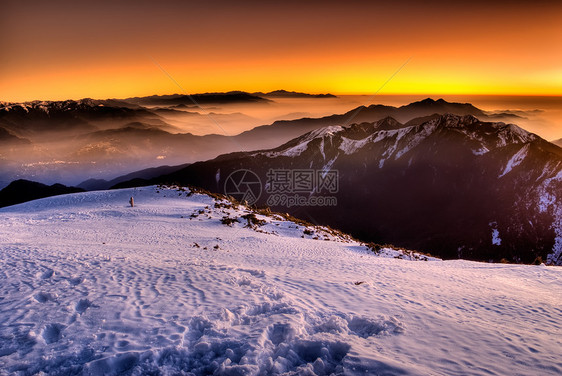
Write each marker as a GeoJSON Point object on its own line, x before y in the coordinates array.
{"type": "Point", "coordinates": [72, 141]}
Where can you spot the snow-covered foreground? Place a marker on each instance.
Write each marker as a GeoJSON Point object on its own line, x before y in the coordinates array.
{"type": "Point", "coordinates": [92, 286]}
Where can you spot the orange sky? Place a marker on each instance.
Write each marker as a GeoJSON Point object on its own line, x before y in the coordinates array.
{"type": "Point", "coordinates": [100, 49]}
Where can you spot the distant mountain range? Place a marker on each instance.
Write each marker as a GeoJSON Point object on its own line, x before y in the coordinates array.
{"type": "Point", "coordinates": [284, 130]}
{"type": "Point", "coordinates": [452, 185]}
{"type": "Point", "coordinates": [87, 115]}
{"type": "Point", "coordinates": [197, 99]}
{"type": "Point", "coordinates": [218, 98]}
{"type": "Point", "coordinates": [77, 140]}
{"type": "Point", "coordinates": [431, 175]}
{"type": "Point", "coordinates": [40, 119]}
{"type": "Point", "coordinates": [292, 94]}
{"type": "Point", "coordinates": [24, 190]}
{"type": "Point", "coordinates": [149, 173]}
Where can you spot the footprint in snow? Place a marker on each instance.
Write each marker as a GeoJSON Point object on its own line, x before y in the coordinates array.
{"type": "Point", "coordinates": [75, 281]}
{"type": "Point", "coordinates": [363, 327]}
{"type": "Point", "coordinates": [82, 306]}
{"type": "Point", "coordinates": [367, 327]}
{"type": "Point", "coordinates": [43, 297]}
{"type": "Point", "coordinates": [279, 333]}
{"type": "Point", "coordinates": [52, 332]}
{"type": "Point", "coordinates": [47, 274]}
{"type": "Point", "coordinates": [255, 273]}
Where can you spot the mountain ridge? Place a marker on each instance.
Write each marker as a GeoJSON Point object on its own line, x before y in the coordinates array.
{"type": "Point", "coordinates": [292, 94]}
{"type": "Point", "coordinates": [489, 176]}
{"type": "Point", "coordinates": [21, 190]}
{"type": "Point", "coordinates": [104, 138]}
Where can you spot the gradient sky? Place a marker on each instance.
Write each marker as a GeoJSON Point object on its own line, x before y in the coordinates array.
{"type": "Point", "coordinates": [100, 49]}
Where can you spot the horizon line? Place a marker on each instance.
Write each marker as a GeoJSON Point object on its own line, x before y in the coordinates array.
{"type": "Point", "coordinates": [428, 95]}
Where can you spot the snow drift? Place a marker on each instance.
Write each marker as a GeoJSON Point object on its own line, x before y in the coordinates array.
{"type": "Point", "coordinates": [187, 284]}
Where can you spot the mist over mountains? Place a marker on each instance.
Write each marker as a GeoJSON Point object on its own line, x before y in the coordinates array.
{"type": "Point", "coordinates": [71, 141]}
{"type": "Point", "coordinates": [434, 176]}
{"type": "Point", "coordinates": [452, 185]}
{"type": "Point", "coordinates": [297, 188]}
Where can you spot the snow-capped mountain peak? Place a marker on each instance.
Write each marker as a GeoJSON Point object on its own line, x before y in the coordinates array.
{"type": "Point", "coordinates": [402, 138]}
{"type": "Point", "coordinates": [438, 167]}
{"type": "Point", "coordinates": [53, 106]}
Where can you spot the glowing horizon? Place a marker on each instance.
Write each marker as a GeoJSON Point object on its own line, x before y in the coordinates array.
{"type": "Point", "coordinates": [62, 50]}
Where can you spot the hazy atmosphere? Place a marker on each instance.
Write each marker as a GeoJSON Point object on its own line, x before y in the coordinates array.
{"type": "Point", "coordinates": [108, 49]}
{"type": "Point", "coordinates": [280, 188]}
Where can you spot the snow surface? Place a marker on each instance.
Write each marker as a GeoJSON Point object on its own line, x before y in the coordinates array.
{"type": "Point", "coordinates": [481, 151]}
{"type": "Point", "coordinates": [93, 286]}
{"type": "Point", "coordinates": [402, 140]}
{"type": "Point", "coordinates": [496, 240]}
{"type": "Point", "coordinates": [548, 203]}
{"type": "Point", "coordinates": [302, 146]}
{"type": "Point", "coordinates": [515, 160]}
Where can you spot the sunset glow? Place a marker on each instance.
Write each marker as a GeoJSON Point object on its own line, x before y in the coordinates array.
{"type": "Point", "coordinates": [294, 187]}
{"type": "Point", "coordinates": [61, 49]}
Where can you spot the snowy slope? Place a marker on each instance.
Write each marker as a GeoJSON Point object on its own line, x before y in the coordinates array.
{"type": "Point", "coordinates": [419, 185]}
{"type": "Point", "coordinates": [405, 138]}
{"type": "Point", "coordinates": [92, 286]}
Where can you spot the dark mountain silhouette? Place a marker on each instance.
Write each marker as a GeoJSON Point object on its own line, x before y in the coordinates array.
{"type": "Point", "coordinates": [452, 185]}
{"type": "Point", "coordinates": [20, 191]}
{"type": "Point", "coordinates": [74, 140]}
{"type": "Point", "coordinates": [130, 141]}
{"type": "Point", "coordinates": [148, 173]}
{"type": "Point", "coordinates": [218, 98]}
{"type": "Point", "coordinates": [197, 99]}
{"type": "Point", "coordinates": [94, 117]}
{"type": "Point", "coordinates": [68, 117]}
{"type": "Point", "coordinates": [292, 94]}
{"type": "Point", "coordinates": [284, 130]}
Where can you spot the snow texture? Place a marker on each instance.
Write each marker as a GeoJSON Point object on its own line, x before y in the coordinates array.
{"type": "Point", "coordinates": [93, 286]}
{"type": "Point", "coordinates": [302, 146]}
{"type": "Point", "coordinates": [496, 240]}
{"type": "Point", "coordinates": [401, 140]}
{"type": "Point", "coordinates": [516, 160]}
{"type": "Point", "coordinates": [547, 202]}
